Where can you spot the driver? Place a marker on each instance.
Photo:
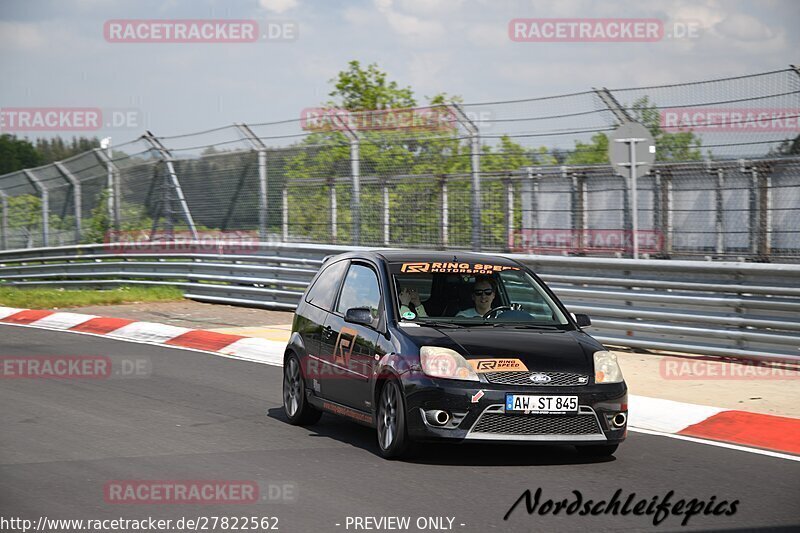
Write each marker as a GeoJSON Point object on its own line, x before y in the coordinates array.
{"type": "Point", "coordinates": [483, 295]}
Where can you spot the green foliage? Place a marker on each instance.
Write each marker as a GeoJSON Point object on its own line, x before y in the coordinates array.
{"type": "Point", "coordinates": [57, 149]}
{"type": "Point", "coordinates": [359, 88]}
{"type": "Point", "coordinates": [46, 298]}
{"type": "Point", "coordinates": [593, 153]}
{"type": "Point", "coordinates": [679, 146]}
{"type": "Point", "coordinates": [16, 154]}
{"type": "Point", "coordinates": [95, 228]}
{"type": "Point", "coordinates": [413, 201]}
{"type": "Point", "coordinates": [787, 147]}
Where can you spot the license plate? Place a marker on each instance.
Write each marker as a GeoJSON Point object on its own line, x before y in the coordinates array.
{"type": "Point", "coordinates": [528, 403]}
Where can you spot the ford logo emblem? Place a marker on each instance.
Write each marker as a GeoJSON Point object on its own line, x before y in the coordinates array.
{"type": "Point", "coordinates": [540, 378]}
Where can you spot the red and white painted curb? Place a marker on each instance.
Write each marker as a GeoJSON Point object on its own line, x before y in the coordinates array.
{"type": "Point", "coordinates": [236, 346]}
{"type": "Point", "coordinates": [740, 429]}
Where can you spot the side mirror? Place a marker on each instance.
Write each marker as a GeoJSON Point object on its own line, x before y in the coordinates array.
{"type": "Point", "coordinates": [359, 315]}
{"type": "Point", "coordinates": [582, 320]}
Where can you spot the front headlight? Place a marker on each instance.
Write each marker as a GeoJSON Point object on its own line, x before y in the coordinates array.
{"type": "Point", "coordinates": [438, 362]}
{"type": "Point", "coordinates": [606, 368]}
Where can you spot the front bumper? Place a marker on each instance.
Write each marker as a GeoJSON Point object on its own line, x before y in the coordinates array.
{"type": "Point", "coordinates": [477, 412]}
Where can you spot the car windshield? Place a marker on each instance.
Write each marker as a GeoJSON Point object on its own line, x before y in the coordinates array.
{"type": "Point", "coordinates": [472, 294]}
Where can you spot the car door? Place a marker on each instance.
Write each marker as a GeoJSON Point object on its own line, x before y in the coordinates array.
{"type": "Point", "coordinates": [310, 317]}
{"type": "Point", "coordinates": [349, 348]}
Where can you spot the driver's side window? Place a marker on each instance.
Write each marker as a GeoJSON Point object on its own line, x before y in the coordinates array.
{"type": "Point", "coordinates": [360, 289]}
{"type": "Point", "coordinates": [522, 293]}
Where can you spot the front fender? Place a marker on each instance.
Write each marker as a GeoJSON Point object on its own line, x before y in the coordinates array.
{"type": "Point", "coordinates": [391, 365]}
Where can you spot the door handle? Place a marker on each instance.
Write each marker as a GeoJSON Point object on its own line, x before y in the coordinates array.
{"type": "Point", "coordinates": [327, 332]}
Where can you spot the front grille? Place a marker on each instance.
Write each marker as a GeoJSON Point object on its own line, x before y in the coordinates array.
{"type": "Point", "coordinates": [503, 424]}
{"type": "Point", "coordinates": [557, 379]}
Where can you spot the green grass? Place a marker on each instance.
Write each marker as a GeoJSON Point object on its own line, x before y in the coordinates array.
{"type": "Point", "coordinates": [47, 298]}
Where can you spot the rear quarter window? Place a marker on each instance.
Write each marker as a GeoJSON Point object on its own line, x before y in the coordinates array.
{"type": "Point", "coordinates": [323, 292]}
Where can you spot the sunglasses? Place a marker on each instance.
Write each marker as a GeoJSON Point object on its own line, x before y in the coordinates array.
{"type": "Point", "coordinates": [485, 292]}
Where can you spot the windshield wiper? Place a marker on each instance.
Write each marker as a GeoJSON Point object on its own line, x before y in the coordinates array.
{"type": "Point", "coordinates": [526, 326]}
{"type": "Point", "coordinates": [435, 324]}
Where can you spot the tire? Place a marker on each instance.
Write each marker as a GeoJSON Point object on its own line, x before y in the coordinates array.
{"type": "Point", "coordinates": [295, 405]}
{"type": "Point", "coordinates": [393, 441]}
{"type": "Point", "coordinates": [598, 450]}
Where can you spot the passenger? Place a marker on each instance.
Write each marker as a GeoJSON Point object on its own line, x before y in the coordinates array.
{"type": "Point", "coordinates": [410, 302]}
{"type": "Point", "coordinates": [483, 295]}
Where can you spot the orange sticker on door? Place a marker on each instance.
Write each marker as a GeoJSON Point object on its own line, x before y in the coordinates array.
{"type": "Point", "coordinates": [498, 365]}
{"type": "Point", "coordinates": [344, 346]}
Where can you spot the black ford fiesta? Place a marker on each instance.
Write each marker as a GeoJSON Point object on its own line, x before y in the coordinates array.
{"type": "Point", "coordinates": [430, 346]}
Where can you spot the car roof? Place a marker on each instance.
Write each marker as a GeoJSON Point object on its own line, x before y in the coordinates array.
{"type": "Point", "coordinates": [402, 256]}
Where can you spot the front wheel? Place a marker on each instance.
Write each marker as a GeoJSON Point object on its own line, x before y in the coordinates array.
{"type": "Point", "coordinates": [598, 450]}
{"type": "Point", "coordinates": [295, 405]}
{"type": "Point", "coordinates": [393, 438]}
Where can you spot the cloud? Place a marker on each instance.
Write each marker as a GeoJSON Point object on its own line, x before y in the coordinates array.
{"type": "Point", "coordinates": [744, 28]}
{"type": "Point", "coordinates": [431, 7]}
{"type": "Point", "coordinates": [409, 26]}
{"type": "Point", "coordinates": [278, 6]}
{"type": "Point", "coordinates": [21, 35]}
{"type": "Point", "coordinates": [486, 35]}
{"type": "Point", "coordinates": [428, 72]}
{"type": "Point", "coordinates": [358, 16]}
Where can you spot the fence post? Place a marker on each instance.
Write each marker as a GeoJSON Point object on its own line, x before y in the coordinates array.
{"type": "Point", "coordinates": [355, 175]}
{"type": "Point", "coordinates": [4, 221]}
{"type": "Point", "coordinates": [334, 209]}
{"type": "Point", "coordinates": [285, 213]}
{"type": "Point", "coordinates": [578, 208]}
{"type": "Point", "coordinates": [45, 206]}
{"type": "Point", "coordinates": [526, 199]}
{"type": "Point", "coordinates": [445, 210]}
{"type": "Point", "coordinates": [613, 105]}
{"type": "Point", "coordinates": [719, 222]}
{"type": "Point", "coordinates": [765, 215]}
{"type": "Point", "coordinates": [668, 214]}
{"type": "Point", "coordinates": [386, 211]}
{"type": "Point", "coordinates": [166, 157]}
{"type": "Point", "coordinates": [509, 213]}
{"type": "Point", "coordinates": [76, 197]}
{"type": "Point", "coordinates": [753, 207]}
{"type": "Point", "coordinates": [263, 206]}
{"type": "Point", "coordinates": [112, 186]}
{"type": "Point", "coordinates": [475, 163]}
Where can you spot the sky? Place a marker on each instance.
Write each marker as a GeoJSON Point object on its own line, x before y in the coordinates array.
{"type": "Point", "coordinates": [55, 54]}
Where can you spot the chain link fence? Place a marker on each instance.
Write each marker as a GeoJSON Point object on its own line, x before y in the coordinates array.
{"type": "Point", "coordinates": [524, 176]}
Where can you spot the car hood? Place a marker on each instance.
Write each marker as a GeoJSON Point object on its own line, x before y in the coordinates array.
{"type": "Point", "coordinates": [539, 350]}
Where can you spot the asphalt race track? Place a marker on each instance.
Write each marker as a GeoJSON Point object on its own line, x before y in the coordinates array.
{"type": "Point", "coordinates": [197, 416]}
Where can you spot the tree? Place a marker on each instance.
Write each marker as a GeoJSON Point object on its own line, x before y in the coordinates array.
{"type": "Point", "coordinates": [359, 89]}
{"type": "Point", "coordinates": [25, 217]}
{"type": "Point", "coordinates": [16, 154]}
{"type": "Point", "coordinates": [679, 146]}
{"type": "Point", "coordinates": [56, 149]}
{"type": "Point", "coordinates": [415, 161]}
{"type": "Point", "coordinates": [593, 153]}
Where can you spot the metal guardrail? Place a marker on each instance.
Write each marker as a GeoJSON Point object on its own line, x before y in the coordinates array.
{"type": "Point", "coordinates": [740, 310]}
